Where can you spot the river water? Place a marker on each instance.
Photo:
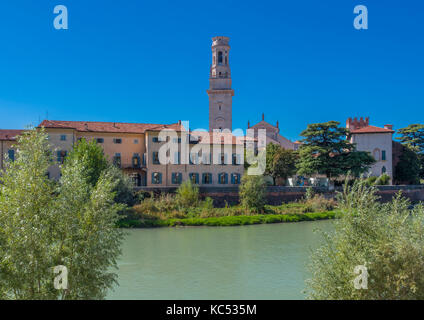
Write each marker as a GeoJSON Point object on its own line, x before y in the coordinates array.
{"type": "Point", "coordinates": [246, 262]}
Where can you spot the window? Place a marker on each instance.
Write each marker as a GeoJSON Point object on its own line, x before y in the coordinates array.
{"type": "Point", "coordinates": [207, 158]}
{"type": "Point", "coordinates": [177, 177]}
{"type": "Point", "coordinates": [136, 160]}
{"type": "Point", "coordinates": [219, 57]}
{"type": "Point", "coordinates": [176, 140]}
{"type": "Point", "coordinates": [383, 155]}
{"type": "Point", "coordinates": [136, 179]}
{"type": "Point", "coordinates": [155, 139]}
{"type": "Point", "coordinates": [100, 140]}
{"type": "Point", "coordinates": [11, 154]}
{"type": "Point", "coordinates": [235, 178]}
{"type": "Point", "coordinates": [156, 178]}
{"type": "Point", "coordinates": [194, 178]}
{"type": "Point", "coordinates": [61, 154]}
{"type": "Point", "coordinates": [117, 140]}
{"type": "Point", "coordinates": [376, 154]}
{"type": "Point", "coordinates": [117, 160]}
{"type": "Point", "coordinates": [236, 159]}
{"type": "Point", "coordinates": [194, 158]}
{"type": "Point", "coordinates": [144, 159]}
{"type": "Point", "coordinates": [177, 158]}
{"type": "Point", "coordinates": [207, 178]}
{"type": "Point", "coordinates": [223, 159]}
{"type": "Point", "coordinates": [135, 141]}
{"type": "Point", "coordinates": [222, 178]}
{"type": "Point", "coordinates": [156, 157]}
{"type": "Point", "coordinates": [63, 137]}
{"type": "Point", "coordinates": [383, 170]}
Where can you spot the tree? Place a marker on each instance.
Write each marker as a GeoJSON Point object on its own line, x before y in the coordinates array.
{"type": "Point", "coordinates": [407, 170]}
{"type": "Point", "coordinates": [284, 164]}
{"type": "Point", "coordinates": [45, 224]}
{"type": "Point", "coordinates": [90, 155]}
{"type": "Point", "coordinates": [356, 163]}
{"type": "Point", "coordinates": [382, 243]}
{"type": "Point", "coordinates": [413, 137]}
{"type": "Point", "coordinates": [325, 150]}
{"type": "Point", "coordinates": [253, 192]}
{"type": "Point", "coordinates": [26, 221]}
{"type": "Point", "coordinates": [187, 195]}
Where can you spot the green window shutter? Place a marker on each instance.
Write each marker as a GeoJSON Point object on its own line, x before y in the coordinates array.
{"type": "Point", "coordinates": [226, 178]}
{"type": "Point", "coordinates": [58, 156]}
{"type": "Point", "coordinates": [232, 178]}
{"type": "Point", "coordinates": [383, 155]}
{"type": "Point", "coordinates": [160, 178]}
{"type": "Point", "coordinates": [197, 178]}
{"type": "Point", "coordinates": [153, 177]}
{"type": "Point", "coordinates": [173, 178]}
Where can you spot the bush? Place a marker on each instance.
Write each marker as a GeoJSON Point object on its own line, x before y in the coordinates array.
{"type": "Point", "coordinates": [370, 181]}
{"type": "Point", "coordinates": [187, 195]}
{"type": "Point", "coordinates": [382, 180]}
{"type": "Point", "coordinates": [253, 193]}
{"type": "Point", "coordinates": [319, 203]}
{"type": "Point", "coordinates": [388, 239]}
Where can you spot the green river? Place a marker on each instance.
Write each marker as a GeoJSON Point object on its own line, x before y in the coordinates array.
{"type": "Point", "coordinates": [245, 262]}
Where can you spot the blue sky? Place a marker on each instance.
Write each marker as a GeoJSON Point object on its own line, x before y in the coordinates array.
{"type": "Point", "coordinates": [299, 62]}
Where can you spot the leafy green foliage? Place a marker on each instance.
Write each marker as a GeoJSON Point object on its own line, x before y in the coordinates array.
{"type": "Point", "coordinates": [43, 225]}
{"type": "Point", "coordinates": [280, 163]}
{"type": "Point", "coordinates": [325, 150]}
{"type": "Point", "coordinates": [386, 238]}
{"type": "Point", "coordinates": [252, 192]}
{"type": "Point", "coordinates": [382, 180]}
{"type": "Point", "coordinates": [91, 156]}
{"type": "Point", "coordinates": [413, 138]}
{"type": "Point", "coordinates": [407, 171]}
{"type": "Point", "coordinates": [187, 195]}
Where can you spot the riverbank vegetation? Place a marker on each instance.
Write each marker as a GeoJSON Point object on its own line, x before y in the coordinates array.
{"type": "Point", "coordinates": [186, 208]}
{"type": "Point", "coordinates": [375, 252]}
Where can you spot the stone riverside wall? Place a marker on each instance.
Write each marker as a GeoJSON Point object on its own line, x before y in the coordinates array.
{"type": "Point", "coordinates": [278, 195]}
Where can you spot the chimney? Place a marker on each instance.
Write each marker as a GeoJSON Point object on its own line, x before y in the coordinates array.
{"type": "Point", "coordinates": [179, 122]}
{"type": "Point", "coordinates": [388, 126]}
{"type": "Point", "coordinates": [277, 123]}
{"type": "Point", "coordinates": [263, 116]}
{"type": "Point", "coordinates": [248, 124]}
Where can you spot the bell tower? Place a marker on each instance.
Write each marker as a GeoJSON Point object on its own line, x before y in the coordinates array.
{"type": "Point", "coordinates": [220, 92]}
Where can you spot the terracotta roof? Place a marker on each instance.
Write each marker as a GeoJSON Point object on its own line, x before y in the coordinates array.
{"type": "Point", "coordinates": [371, 129]}
{"type": "Point", "coordinates": [9, 135]}
{"type": "Point", "coordinates": [113, 127]}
